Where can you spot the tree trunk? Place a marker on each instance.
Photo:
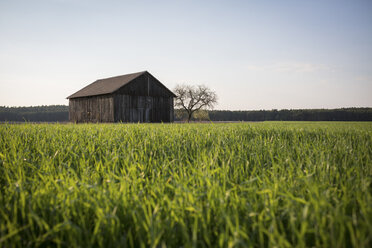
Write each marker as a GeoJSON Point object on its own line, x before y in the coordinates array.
{"type": "Point", "coordinates": [189, 115]}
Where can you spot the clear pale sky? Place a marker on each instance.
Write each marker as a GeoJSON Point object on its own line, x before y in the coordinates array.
{"type": "Point", "coordinates": [254, 54]}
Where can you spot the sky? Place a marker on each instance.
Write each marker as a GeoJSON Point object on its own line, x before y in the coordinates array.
{"type": "Point", "coordinates": [253, 54]}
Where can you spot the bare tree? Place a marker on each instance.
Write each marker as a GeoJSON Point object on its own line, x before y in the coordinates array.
{"type": "Point", "coordinates": [193, 98]}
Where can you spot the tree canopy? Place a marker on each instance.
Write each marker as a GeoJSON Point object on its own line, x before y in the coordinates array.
{"type": "Point", "coordinates": [194, 98]}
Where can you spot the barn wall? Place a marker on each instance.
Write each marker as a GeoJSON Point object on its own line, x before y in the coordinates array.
{"type": "Point", "coordinates": [143, 108]}
{"type": "Point", "coordinates": [145, 85]}
{"type": "Point", "coordinates": [144, 99]}
{"type": "Point", "coordinates": [92, 109]}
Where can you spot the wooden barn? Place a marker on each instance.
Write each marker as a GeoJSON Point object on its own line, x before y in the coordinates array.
{"type": "Point", "coordinates": [136, 97]}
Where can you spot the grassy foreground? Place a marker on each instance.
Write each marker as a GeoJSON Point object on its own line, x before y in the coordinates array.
{"type": "Point", "coordinates": [215, 185]}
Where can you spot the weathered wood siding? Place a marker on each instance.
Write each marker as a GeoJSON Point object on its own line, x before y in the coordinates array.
{"type": "Point", "coordinates": [92, 109]}
{"type": "Point", "coordinates": [144, 99]}
{"type": "Point", "coordinates": [145, 85]}
{"type": "Point", "coordinates": [143, 108]}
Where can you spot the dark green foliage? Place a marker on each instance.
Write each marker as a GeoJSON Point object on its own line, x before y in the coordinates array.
{"type": "Point", "coordinates": [59, 113]}
{"type": "Point", "coordinates": [343, 114]}
{"type": "Point", "coordinates": [52, 113]}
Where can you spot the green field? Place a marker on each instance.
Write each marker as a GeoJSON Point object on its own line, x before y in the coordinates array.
{"type": "Point", "coordinates": [275, 184]}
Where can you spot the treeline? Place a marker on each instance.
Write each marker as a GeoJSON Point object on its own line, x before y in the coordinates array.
{"type": "Point", "coordinates": [59, 113]}
{"type": "Point", "coordinates": [343, 114]}
{"type": "Point", "coordinates": [52, 113]}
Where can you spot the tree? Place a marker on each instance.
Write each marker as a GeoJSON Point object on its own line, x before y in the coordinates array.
{"type": "Point", "coordinates": [194, 98]}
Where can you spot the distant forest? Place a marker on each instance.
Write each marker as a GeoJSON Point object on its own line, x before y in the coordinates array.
{"type": "Point", "coordinates": [52, 113]}
{"type": "Point", "coordinates": [342, 114]}
{"type": "Point", "coordinates": [59, 113]}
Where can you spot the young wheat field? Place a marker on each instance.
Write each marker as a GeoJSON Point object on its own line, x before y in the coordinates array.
{"type": "Point", "coordinates": [271, 184]}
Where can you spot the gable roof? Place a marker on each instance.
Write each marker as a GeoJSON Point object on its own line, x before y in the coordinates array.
{"type": "Point", "coordinates": [108, 85]}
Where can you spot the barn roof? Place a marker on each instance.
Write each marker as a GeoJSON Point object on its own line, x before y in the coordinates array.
{"type": "Point", "coordinates": [108, 85]}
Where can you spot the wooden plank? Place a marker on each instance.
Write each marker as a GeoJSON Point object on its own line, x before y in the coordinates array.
{"type": "Point", "coordinates": [91, 109]}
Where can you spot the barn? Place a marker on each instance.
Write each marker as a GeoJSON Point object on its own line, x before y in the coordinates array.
{"type": "Point", "coordinates": [135, 97]}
